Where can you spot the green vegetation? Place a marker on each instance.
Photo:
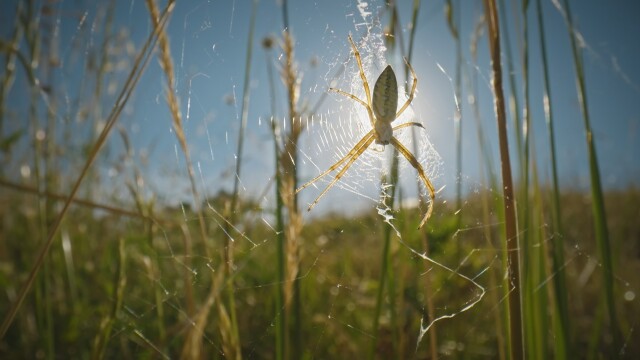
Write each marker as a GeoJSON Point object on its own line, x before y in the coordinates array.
{"type": "Point", "coordinates": [135, 279]}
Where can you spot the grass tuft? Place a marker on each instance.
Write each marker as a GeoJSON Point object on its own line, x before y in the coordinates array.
{"type": "Point", "coordinates": [138, 68]}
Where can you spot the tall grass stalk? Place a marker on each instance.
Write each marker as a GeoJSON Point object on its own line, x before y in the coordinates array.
{"type": "Point", "coordinates": [526, 125]}
{"type": "Point", "coordinates": [539, 325]}
{"type": "Point", "coordinates": [228, 245]}
{"type": "Point", "coordinates": [243, 124]}
{"type": "Point", "coordinates": [145, 208]}
{"type": "Point", "coordinates": [34, 39]}
{"type": "Point", "coordinates": [530, 305]}
{"type": "Point", "coordinates": [562, 339]}
{"type": "Point", "coordinates": [226, 323]}
{"type": "Point", "coordinates": [487, 174]}
{"type": "Point", "coordinates": [511, 234]}
{"type": "Point", "coordinates": [12, 54]}
{"type": "Point", "coordinates": [412, 34]}
{"type": "Point", "coordinates": [187, 274]}
{"type": "Point", "coordinates": [384, 265]}
{"type": "Point", "coordinates": [77, 201]}
{"type": "Point", "coordinates": [166, 64]}
{"type": "Point", "coordinates": [514, 100]}
{"type": "Point", "coordinates": [281, 320]}
{"type": "Point", "coordinates": [514, 111]}
{"type": "Point", "coordinates": [292, 80]}
{"type": "Point", "coordinates": [289, 160]}
{"type": "Point", "coordinates": [598, 209]}
{"type": "Point", "coordinates": [289, 181]}
{"type": "Point", "coordinates": [106, 325]}
{"type": "Point", "coordinates": [453, 21]}
{"type": "Point", "coordinates": [388, 196]}
{"type": "Point", "coordinates": [140, 63]}
{"type": "Point", "coordinates": [433, 333]}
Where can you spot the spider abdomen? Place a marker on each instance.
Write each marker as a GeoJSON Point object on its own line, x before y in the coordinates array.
{"type": "Point", "coordinates": [385, 96]}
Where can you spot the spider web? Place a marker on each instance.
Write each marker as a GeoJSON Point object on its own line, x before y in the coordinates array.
{"type": "Point", "coordinates": [334, 133]}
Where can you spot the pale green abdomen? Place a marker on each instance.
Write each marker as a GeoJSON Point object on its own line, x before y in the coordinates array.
{"type": "Point", "coordinates": [385, 96]}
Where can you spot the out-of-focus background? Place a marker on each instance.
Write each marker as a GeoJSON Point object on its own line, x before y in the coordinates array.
{"type": "Point", "coordinates": [151, 152]}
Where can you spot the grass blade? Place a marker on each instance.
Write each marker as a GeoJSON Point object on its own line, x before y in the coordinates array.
{"type": "Point", "coordinates": [562, 339]}
{"type": "Point", "coordinates": [102, 338]}
{"type": "Point", "coordinates": [599, 215]}
{"type": "Point", "coordinates": [453, 22]}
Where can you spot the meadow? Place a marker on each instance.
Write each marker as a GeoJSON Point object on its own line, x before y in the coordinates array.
{"type": "Point", "coordinates": [115, 247]}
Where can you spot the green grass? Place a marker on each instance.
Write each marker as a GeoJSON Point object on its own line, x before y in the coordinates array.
{"type": "Point", "coordinates": [597, 197]}
{"type": "Point", "coordinates": [142, 279]}
{"type": "Point", "coordinates": [562, 341]}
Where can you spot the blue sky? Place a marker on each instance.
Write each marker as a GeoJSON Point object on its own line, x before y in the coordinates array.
{"type": "Point", "coordinates": [209, 44]}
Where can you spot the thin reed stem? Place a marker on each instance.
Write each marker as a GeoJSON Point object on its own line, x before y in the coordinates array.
{"type": "Point", "coordinates": [120, 281]}
{"type": "Point", "coordinates": [453, 21]}
{"type": "Point", "coordinates": [562, 326]}
{"type": "Point", "coordinates": [244, 115]}
{"type": "Point", "coordinates": [487, 174]}
{"type": "Point", "coordinates": [539, 325]}
{"type": "Point", "coordinates": [228, 254]}
{"type": "Point", "coordinates": [531, 312]}
{"type": "Point", "coordinates": [227, 326]}
{"type": "Point", "coordinates": [433, 333]}
{"type": "Point", "coordinates": [10, 66]}
{"type": "Point", "coordinates": [281, 318]}
{"type": "Point", "coordinates": [514, 101]}
{"type": "Point", "coordinates": [75, 201]}
{"type": "Point", "coordinates": [511, 234]}
{"type": "Point", "coordinates": [388, 196]}
{"type": "Point", "coordinates": [384, 265]}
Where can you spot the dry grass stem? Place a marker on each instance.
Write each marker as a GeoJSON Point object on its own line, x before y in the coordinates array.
{"type": "Point", "coordinates": [290, 77]}
{"type": "Point", "coordinates": [512, 246]}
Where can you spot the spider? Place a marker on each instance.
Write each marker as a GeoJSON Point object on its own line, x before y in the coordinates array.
{"type": "Point", "coordinates": [381, 108]}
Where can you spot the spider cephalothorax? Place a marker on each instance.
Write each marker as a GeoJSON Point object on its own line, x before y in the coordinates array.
{"type": "Point", "coordinates": [381, 108]}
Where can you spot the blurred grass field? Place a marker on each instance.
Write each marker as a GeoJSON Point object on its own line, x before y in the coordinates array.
{"type": "Point", "coordinates": [339, 276]}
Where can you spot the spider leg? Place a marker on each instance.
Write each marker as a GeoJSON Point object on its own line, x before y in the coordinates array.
{"type": "Point", "coordinates": [349, 96]}
{"type": "Point", "coordinates": [412, 93]}
{"type": "Point", "coordinates": [401, 126]}
{"type": "Point", "coordinates": [356, 53]}
{"type": "Point", "coordinates": [357, 99]}
{"type": "Point", "coordinates": [416, 165]}
{"type": "Point", "coordinates": [354, 150]}
{"type": "Point", "coordinates": [346, 167]}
